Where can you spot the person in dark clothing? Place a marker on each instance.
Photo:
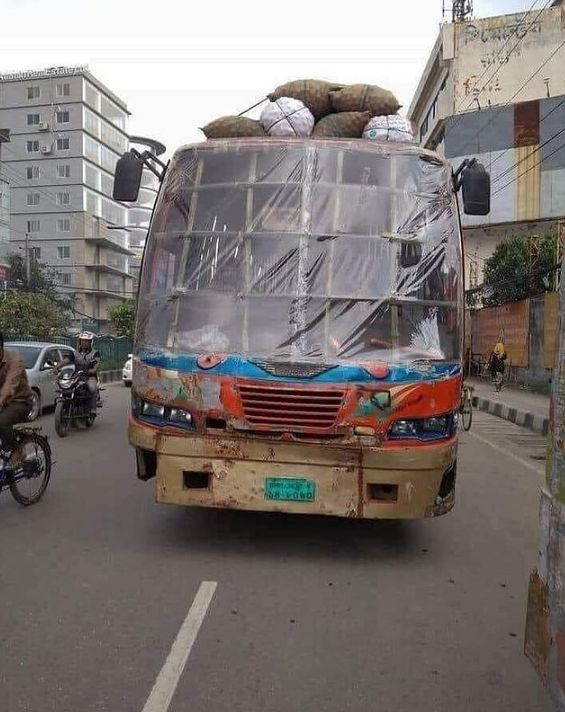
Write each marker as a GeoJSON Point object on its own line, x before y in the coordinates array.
{"type": "Point", "coordinates": [496, 363]}
{"type": "Point", "coordinates": [15, 396]}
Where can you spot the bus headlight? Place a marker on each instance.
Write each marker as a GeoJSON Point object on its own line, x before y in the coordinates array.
{"type": "Point", "coordinates": [403, 429]}
{"type": "Point", "coordinates": [436, 427]}
{"type": "Point", "coordinates": [178, 415]}
{"type": "Point", "coordinates": [161, 415]}
{"type": "Point", "coordinates": [153, 410]}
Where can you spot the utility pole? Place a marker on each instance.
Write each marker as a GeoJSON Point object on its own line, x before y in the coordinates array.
{"type": "Point", "coordinates": [27, 261]}
{"type": "Point", "coordinates": [545, 623]}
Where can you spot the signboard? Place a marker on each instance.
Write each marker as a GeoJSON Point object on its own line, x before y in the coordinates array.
{"type": "Point", "coordinates": [43, 73]}
{"type": "Point", "coordinates": [550, 328]}
{"type": "Point", "coordinates": [508, 323]}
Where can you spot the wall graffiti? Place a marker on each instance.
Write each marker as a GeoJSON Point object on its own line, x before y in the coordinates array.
{"type": "Point", "coordinates": [471, 86]}
{"type": "Point", "coordinates": [502, 32]}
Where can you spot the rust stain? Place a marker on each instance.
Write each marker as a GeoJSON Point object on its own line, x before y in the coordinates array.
{"type": "Point", "coordinates": [538, 638]}
{"type": "Point", "coordinates": [229, 450]}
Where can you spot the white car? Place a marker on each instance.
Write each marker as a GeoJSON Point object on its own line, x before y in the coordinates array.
{"type": "Point", "coordinates": [127, 371]}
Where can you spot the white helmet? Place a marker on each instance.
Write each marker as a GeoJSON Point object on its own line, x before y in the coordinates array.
{"type": "Point", "coordinates": [86, 336]}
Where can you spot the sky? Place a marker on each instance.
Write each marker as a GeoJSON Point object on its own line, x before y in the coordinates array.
{"type": "Point", "coordinates": [178, 65]}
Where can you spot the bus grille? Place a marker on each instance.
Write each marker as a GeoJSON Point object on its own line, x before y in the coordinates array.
{"type": "Point", "coordinates": [288, 409]}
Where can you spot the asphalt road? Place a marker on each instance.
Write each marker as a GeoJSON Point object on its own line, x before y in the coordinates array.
{"type": "Point", "coordinates": [309, 613]}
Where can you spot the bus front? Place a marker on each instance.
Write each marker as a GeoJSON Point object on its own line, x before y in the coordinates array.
{"type": "Point", "coordinates": [298, 344]}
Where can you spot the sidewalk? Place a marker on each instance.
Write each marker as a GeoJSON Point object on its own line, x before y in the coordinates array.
{"type": "Point", "coordinates": [531, 410]}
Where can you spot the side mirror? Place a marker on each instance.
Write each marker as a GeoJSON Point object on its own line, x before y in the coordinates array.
{"type": "Point", "coordinates": [47, 366]}
{"type": "Point", "coordinates": [127, 178]}
{"type": "Point", "coordinates": [475, 183]}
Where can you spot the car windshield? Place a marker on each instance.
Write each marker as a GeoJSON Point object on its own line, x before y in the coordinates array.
{"type": "Point", "coordinates": [29, 354]}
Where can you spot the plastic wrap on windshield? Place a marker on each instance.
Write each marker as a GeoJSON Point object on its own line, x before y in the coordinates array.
{"type": "Point", "coordinates": [339, 251]}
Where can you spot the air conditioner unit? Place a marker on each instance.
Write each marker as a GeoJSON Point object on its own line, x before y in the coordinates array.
{"type": "Point", "coordinates": [43, 126]}
{"type": "Point", "coordinates": [46, 148]}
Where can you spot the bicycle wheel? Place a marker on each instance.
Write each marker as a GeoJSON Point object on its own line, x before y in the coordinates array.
{"type": "Point", "coordinates": [466, 414]}
{"type": "Point", "coordinates": [32, 477]}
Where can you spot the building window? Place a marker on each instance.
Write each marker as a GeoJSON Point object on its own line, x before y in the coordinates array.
{"type": "Point", "coordinates": [63, 89]}
{"type": "Point", "coordinates": [63, 252]}
{"type": "Point", "coordinates": [32, 146]}
{"type": "Point", "coordinates": [62, 117]}
{"type": "Point", "coordinates": [33, 119]}
{"type": "Point", "coordinates": [33, 198]}
{"type": "Point", "coordinates": [63, 198]}
{"type": "Point", "coordinates": [63, 144]}
{"type": "Point", "coordinates": [32, 172]}
{"type": "Point", "coordinates": [63, 170]}
{"type": "Point", "coordinates": [64, 225]}
{"type": "Point", "coordinates": [33, 226]}
{"type": "Point", "coordinates": [33, 92]}
{"type": "Point", "coordinates": [35, 252]}
{"type": "Point", "coordinates": [64, 277]}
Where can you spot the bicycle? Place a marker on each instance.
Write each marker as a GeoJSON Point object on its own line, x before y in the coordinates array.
{"type": "Point", "coordinates": [466, 407]}
{"type": "Point", "coordinates": [28, 478]}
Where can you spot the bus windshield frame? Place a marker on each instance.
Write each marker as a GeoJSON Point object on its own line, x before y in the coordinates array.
{"type": "Point", "coordinates": [332, 251]}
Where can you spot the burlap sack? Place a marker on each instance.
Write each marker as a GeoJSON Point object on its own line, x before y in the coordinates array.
{"type": "Point", "coordinates": [233, 127]}
{"type": "Point", "coordinates": [348, 124]}
{"type": "Point", "coordinates": [364, 97]}
{"type": "Point", "coordinates": [314, 93]}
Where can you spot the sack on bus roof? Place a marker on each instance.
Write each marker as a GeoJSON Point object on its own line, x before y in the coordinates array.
{"type": "Point", "coordinates": [314, 93]}
{"type": "Point", "coordinates": [233, 127]}
{"type": "Point", "coordinates": [364, 97]}
{"type": "Point", "coordinates": [389, 128]}
{"type": "Point", "coordinates": [287, 117]}
{"type": "Point", "coordinates": [348, 124]}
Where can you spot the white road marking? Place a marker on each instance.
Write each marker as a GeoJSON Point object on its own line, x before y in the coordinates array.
{"type": "Point", "coordinates": [166, 683]}
{"type": "Point", "coordinates": [511, 455]}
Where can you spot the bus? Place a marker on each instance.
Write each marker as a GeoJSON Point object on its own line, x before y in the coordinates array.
{"type": "Point", "coordinates": [299, 339]}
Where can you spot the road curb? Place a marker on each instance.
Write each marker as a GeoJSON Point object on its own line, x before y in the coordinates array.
{"type": "Point", "coordinates": [525, 419]}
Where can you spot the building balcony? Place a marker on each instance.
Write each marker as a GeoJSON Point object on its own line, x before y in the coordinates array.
{"type": "Point", "coordinates": [108, 269]}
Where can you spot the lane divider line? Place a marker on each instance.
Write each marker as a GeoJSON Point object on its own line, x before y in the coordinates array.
{"type": "Point", "coordinates": [168, 678]}
{"type": "Point", "coordinates": [511, 455]}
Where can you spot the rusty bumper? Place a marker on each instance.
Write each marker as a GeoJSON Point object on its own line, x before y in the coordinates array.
{"type": "Point", "coordinates": [361, 482]}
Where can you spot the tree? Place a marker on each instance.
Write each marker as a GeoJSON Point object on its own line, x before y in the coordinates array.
{"type": "Point", "coordinates": [510, 276]}
{"type": "Point", "coordinates": [30, 314]}
{"type": "Point", "coordinates": [122, 317]}
{"type": "Point", "coordinates": [42, 281]}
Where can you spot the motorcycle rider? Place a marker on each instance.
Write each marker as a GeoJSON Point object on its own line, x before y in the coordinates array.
{"type": "Point", "coordinates": [87, 360]}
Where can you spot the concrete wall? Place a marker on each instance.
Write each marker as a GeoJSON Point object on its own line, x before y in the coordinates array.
{"type": "Point", "coordinates": [515, 47]}
{"type": "Point", "coordinates": [535, 371]}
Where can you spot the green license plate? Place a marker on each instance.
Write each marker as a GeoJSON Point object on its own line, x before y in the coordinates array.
{"type": "Point", "coordinates": [290, 489]}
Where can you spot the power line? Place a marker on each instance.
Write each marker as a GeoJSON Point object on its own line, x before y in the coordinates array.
{"type": "Point", "coordinates": [498, 111]}
{"type": "Point", "coordinates": [509, 149]}
{"type": "Point", "coordinates": [509, 170]}
{"type": "Point", "coordinates": [38, 189]}
{"type": "Point", "coordinates": [531, 168]}
{"type": "Point", "coordinates": [509, 53]}
{"type": "Point", "coordinates": [532, 23]}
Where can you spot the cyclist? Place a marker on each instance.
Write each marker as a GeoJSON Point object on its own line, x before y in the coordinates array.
{"type": "Point", "coordinates": [15, 397]}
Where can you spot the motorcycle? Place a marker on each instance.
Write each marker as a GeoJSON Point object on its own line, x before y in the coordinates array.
{"type": "Point", "coordinates": [72, 406]}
